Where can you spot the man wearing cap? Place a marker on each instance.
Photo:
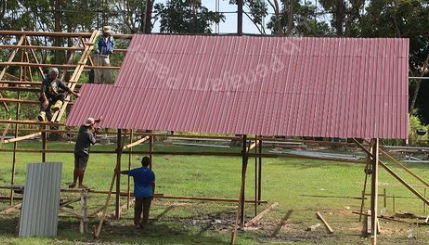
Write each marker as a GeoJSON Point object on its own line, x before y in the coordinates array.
{"type": "Point", "coordinates": [103, 47]}
{"type": "Point", "coordinates": [144, 188]}
{"type": "Point", "coordinates": [85, 138]}
{"type": "Point", "coordinates": [52, 94]}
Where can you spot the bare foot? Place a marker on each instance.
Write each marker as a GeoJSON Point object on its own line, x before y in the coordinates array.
{"type": "Point", "coordinates": [82, 187]}
{"type": "Point", "coordinates": [72, 185]}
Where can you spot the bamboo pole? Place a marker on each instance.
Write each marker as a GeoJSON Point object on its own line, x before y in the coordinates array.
{"type": "Point", "coordinates": [76, 74]}
{"type": "Point", "coordinates": [57, 34]}
{"type": "Point", "coordinates": [259, 171]}
{"type": "Point", "coordinates": [364, 185]}
{"type": "Point", "coordinates": [62, 66]}
{"type": "Point", "coordinates": [245, 159]}
{"type": "Point", "coordinates": [397, 177]}
{"type": "Point", "coordinates": [31, 47]}
{"type": "Point", "coordinates": [256, 179]}
{"type": "Point", "coordinates": [6, 129]}
{"type": "Point", "coordinates": [118, 177]}
{"type": "Point", "coordinates": [10, 46]}
{"type": "Point", "coordinates": [129, 168]}
{"type": "Point", "coordinates": [10, 59]}
{"type": "Point", "coordinates": [106, 205]}
{"type": "Point", "coordinates": [374, 191]}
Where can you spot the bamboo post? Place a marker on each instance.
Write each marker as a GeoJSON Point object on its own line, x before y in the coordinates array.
{"type": "Point", "coordinates": [362, 204]}
{"type": "Point", "coordinates": [384, 198]}
{"type": "Point", "coordinates": [129, 168]}
{"type": "Point", "coordinates": [374, 191]}
{"type": "Point", "coordinates": [15, 146]}
{"type": "Point", "coordinates": [256, 178]}
{"type": "Point", "coordinates": [106, 205]}
{"type": "Point", "coordinates": [260, 173]}
{"type": "Point", "coordinates": [150, 150]}
{"type": "Point", "coordinates": [84, 208]}
{"type": "Point", "coordinates": [44, 142]}
{"type": "Point", "coordinates": [243, 180]}
{"type": "Point", "coordinates": [118, 175]}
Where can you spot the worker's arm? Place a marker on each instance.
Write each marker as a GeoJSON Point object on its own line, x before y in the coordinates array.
{"type": "Point", "coordinates": [63, 86]}
{"type": "Point", "coordinates": [73, 92]}
{"type": "Point", "coordinates": [153, 188]}
{"type": "Point", "coordinates": [97, 39]}
{"type": "Point", "coordinates": [122, 172]}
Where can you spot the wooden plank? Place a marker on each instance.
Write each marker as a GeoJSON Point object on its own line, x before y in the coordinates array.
{"type": "Point", "coordinates": [319, 215]}
{"type": "Point", "coordinates": [30, 136]}
{"type": "Point", "coordinates": [258, 217]}
{"type": "Point", "coordinates": [137, 142]}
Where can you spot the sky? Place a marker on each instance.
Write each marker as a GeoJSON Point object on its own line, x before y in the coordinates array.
{"type": "Point", "coordinates": [230, 24]}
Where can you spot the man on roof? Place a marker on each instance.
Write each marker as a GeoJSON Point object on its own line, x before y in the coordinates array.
{"type": "Point", "coordinates": [103, 47]}
{"type": "Point", "coordinates": [52, 94]}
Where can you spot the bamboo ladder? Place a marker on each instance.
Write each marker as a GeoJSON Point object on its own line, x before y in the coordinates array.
{"type": "Point", "coordinates": [72, 85]}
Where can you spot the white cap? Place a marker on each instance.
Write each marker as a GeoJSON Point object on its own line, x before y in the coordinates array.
{"type": "Point", "coordinates": [89, 122]}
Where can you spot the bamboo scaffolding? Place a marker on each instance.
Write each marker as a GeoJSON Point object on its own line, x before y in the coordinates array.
{"type": "Point", "coordinates": [62, 66]}
{"type": "Point", "coordinates": [57, 34]}
{"type": "Point", "coordinates": [11, 46]}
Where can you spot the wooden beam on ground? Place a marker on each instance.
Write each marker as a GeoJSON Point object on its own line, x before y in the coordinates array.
{"type": "Point", "coordinates": [137, 142]}
{"type": "Point", "coordinates": [258, 217]}
{"type": "Point", "coordinates": [319, 215]}
{"type": "Point", "coordinates": [12, 209]}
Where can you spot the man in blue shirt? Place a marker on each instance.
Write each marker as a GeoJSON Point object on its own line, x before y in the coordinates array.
{"type": "Point", "coordinates": [103, 48]}
{"type": "Point", "coordinates": [144, 187]}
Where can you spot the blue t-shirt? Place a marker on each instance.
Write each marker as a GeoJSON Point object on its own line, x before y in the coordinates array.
{"type": "Point", "coordinates": [143, 180]}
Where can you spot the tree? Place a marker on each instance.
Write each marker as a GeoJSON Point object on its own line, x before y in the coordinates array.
{"type": "Point", "coordinates": [186, 16]}
{"type": "Point", "coordinates": [407, 19]}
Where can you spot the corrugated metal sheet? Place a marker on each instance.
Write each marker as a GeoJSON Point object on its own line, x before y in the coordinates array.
{"type": "Point", "coordinates": [39, 212]}
{"type": "Point", "coordinates": [318, 87]}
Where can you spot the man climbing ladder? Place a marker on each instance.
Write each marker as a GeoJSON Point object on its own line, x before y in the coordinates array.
{"type": "Point", "coordinates": [52, 94]}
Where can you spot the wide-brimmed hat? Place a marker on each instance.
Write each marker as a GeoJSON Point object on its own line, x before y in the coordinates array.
{"type": "Point", "coordinates": [89, 122]}
{"type": "Point", "coordinates": [107, 30]}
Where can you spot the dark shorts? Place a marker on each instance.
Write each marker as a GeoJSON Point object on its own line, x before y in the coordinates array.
{"type": "Point", "coordinates": [80, 161]}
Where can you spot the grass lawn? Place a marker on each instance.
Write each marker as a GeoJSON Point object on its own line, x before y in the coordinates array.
{"type": "Point", "coordinates": [301, 187]}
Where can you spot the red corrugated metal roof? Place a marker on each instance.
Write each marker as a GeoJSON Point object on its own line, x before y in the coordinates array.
{"type": "Point", "coordinates": [319, 87]}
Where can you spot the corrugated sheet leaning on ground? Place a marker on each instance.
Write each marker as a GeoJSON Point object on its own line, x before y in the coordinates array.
{"type": "Point", "coordinates": [39, 213]}
{"type": "Point", "coordinates": [319, 87]}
